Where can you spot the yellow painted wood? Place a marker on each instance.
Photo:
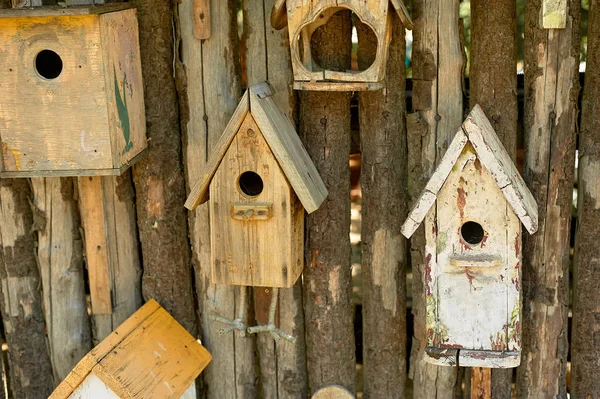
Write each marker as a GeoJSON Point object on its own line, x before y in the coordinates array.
{"type": "Point", "coordinates": [65, 126]}
{"type": "Point", "coordinates": [250, 251]}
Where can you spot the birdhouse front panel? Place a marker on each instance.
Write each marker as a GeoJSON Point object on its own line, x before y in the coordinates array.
{"type": "Point", "coordinates": [71, 95]}
{"type": "Point", "coordinates": [474, 287]}
{"type": "Point", "coordinates": [257, 222]}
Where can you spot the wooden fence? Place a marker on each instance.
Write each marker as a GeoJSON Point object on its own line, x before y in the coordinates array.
{"type": "Point", "coordinates": [192, 87]}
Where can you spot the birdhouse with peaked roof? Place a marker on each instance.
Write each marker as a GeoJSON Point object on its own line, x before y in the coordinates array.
{"type": "Point", "coordinates": [150, 355]}
{"type": "Point", "coordinates": [473, 208]}
{"type": "Point", "coordinates": [258, 181]}
{"type": "Point", "coordinates": [304, 17]}
{"type": "Point", "coordinates": [71, 95]}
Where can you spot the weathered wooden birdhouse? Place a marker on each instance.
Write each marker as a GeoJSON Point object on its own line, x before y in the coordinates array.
{"type": "Point", "coordinates": [71, 95]}
{"type": "Point", "coordinates": [260, 179]}
{"type": "Point", "coordinates": [150, 355]}
{"type": "Point", "coordinates": [473, 207]}
{"type": "Point", "coordinates": [304, 17]}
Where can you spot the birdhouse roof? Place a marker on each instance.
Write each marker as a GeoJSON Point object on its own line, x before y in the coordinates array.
{"type": "Point", "coordinates": [279, 14]}
{"type": "Point", "coordinates": [491, 153]}
{"type": "Point", "coordinates": [283, 141]}
{"type": "Point", "coordinates": [150, 355]}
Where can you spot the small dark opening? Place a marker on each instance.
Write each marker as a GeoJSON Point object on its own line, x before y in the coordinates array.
{"type": "Point", "coordinates": [472, 232]}
{"type": "Point", "coordinates": [48, 64]}
{"type": "Point", "coordinates": [250, 183]}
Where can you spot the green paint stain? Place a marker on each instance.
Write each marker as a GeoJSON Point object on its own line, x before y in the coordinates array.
{"type": "Point", "coordinates": [123, 112]}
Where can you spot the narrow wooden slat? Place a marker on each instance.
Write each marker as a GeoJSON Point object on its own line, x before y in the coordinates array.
{"type": "Point", "coordinates": [481, 383]}
{"type": "Point", "coordinates": [202, 19]}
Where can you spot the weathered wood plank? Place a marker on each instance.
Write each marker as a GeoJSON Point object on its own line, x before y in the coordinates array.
{"type": "Point", "coordinates": [282, 366]}
{"type": "Point", "coordinates": [481, 379]}
{"type": "Point", "coordinates": [437, 104]}
{"type": "Point", "coordinates": [585, 349]}
{"type": "Point", "coordinates": [21, 299]}
{"type": "Point", "coordinates": [384, 202]}
{"type": "Point", "coordinates": [554, 14]}
{"type": "Point", "coordinates": [325, 130]}
{"type": "Point", "coordinates": [202, 19]}
{"type": "Point", "coordinates": [207, 102]}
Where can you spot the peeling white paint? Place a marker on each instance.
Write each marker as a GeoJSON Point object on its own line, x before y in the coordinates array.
{"type": "Point", "coordinates": [386, 252]}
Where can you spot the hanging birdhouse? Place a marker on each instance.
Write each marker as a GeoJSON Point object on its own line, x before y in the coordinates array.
{"type": "Point", "coordinates": [260, 181]}
{"type": "Point", "coordinates": [71, 91]}
{"type": "Point", "coordinates": [150, 355]}
{"type": "Point", "coordinates": [473, 207]}
{"type": "Point", "coordinates": [304, 17]}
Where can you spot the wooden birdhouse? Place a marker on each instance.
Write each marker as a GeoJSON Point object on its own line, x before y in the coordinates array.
{"type": "Point", "coordinates": [473, 207]}
{"type": "Point", "coordinates": [304, 17]}
{"type": "Point", "coordinates": [150, 355]}
{"type": "Point", "coordinates": [71, 95]}
{"type": "Point", "coordinates": [260, 180]}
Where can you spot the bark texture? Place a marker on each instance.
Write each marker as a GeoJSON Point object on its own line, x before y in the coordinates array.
{"type": "Point", "coordinates": [493, 77]}
{"type": "Point", "coordinates": [551, 90]}
{"type": "Point", "coordinates": [384, 203]}
{"type": "Point", "coordinates": [158, 178]}
{"type": "Point", "coordinates": [325, 130]}
{"type": "Point", "coordinates": [586, 312]}
{"type": "Point", "coordinates": [21, 299]}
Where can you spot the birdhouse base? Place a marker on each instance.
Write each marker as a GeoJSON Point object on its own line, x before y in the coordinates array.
{"type": "Point", "coordinates": [472, 358]}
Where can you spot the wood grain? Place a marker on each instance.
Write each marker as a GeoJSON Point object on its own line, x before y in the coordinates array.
{"type": "Point", "coordinates": [202, 19]}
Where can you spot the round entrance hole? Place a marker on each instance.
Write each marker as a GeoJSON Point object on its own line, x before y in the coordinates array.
{"type": "Point", "coordinates": [472, 233]}
{"type": "Point", "coordinates": [48, 64]}
{"type": "Point", "coordinates": [250, 183]}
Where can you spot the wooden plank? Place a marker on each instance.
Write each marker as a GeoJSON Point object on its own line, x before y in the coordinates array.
{"type": "Point", "coordinates": [325, 130]}
{"type": "Point", "coordinates": [481, 383]}
{"type": "Point", "coordinates": [207, 104]}
{"type": "Point", "coordinates": [30, 10]}
{"type": "Point", "coordinates": [384, 202]}
{"type": "Point", "coordinates": [61, 268]}
{"type": "Point", "coordinates": [21, 300]}
{"type": "Point", "coordinates": [96, 247]}
{"type": "Point", "coordinates": [202, 19]}
{"type": "Point", "coordinates": [437, 102]}
{"type": "Point", "coordinates": [554, 14]}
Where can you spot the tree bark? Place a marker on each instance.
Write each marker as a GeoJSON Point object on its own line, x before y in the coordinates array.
{"type": "Point", "coordinates": [158, 178]}
{"type": "Point", "coordinates": [21, 299]}
{"type": "Point", "coordinates": [586, 315]}
{"type": "Point", "coordinates": [493, 77]}
{"type": "Point", "coordinates": [282, 365]}
{"type": "Point", "coordinates": [325, 130]}
{"type": "Point", "coordinates": [437, 103]}
{"type": "Point", "coordinates": [384, 202]}
{"type": "Point", "coordinates": [551, 90]}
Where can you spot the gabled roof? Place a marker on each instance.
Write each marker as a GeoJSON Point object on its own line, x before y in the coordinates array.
{"type": "Point", "coordinates": [491, 153]}
{"type": "Point", "coordinates": [149, 355]}
{"type": "Point", "coordinates": [279, 14]}
{"type": "Point", "coordinates": [280, 135]}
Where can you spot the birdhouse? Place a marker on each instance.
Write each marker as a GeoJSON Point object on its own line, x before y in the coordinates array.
{"type": "Point", "coordinates": [150, 355]}
{"type": "Point", "coordinates": [260, 180]}
{"type": "Point", "coordinates": [71, 95]}
{"type": "Point", "coordinates": [473, 207]}
{"type": "Point", "coordinates": [304, 17]}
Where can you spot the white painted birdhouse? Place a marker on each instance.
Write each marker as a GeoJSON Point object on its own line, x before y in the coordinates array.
{"type": "Point", "coordinates": [150, 355]}
{"type": "Point", "coordinates": [260, 179]}
{"type": "Point", "coordinates": [473, 207]}
{"type": "Point", "coordinates": [304, 17]}
{"type": "Point", "coordinates": [71, 95]}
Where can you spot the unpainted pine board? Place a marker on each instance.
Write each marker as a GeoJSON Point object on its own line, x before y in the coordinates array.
{"type": "Point", "coordinates": [200, 190]}
{"type": "Point", "coordinates": [285, 144]}
{"type": "Point", "coordinates": [554, 14]}
{"type": "Point", "coordinates": [124, 85]}
{"type": "Point", "coordinates": [202, 19]}
{"type": "Point", "coordinates": [69, 128]}
{"type": "Point", "coordinates": [91, 204]}
{"type": "Point", "coordinates": [251, 252]}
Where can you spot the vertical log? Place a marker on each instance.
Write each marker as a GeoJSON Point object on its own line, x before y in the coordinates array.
{"type": "Point", "coordinates": [21, 299]}
{"type": "Point", "coordinates": [551, 90]}
{"type": "Point", "coordinates": [283, 365]}
{"type": "Point", "coordinates": [384, 202]}
{"type": "Point", "coordinates": [586, 315]}
{"type": "Point", "coordinates": [494, 87]}
{"type": "Point", "coordinates": [327, 285]}
{"type": "Point", "coordinates": [60, 255]}
{"type": "Point", "coordinates": [438, 110]}
{"type": "Point", "coordinates": [158, 178]}
{"type": "Point", "coordinates": [209, 87]}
